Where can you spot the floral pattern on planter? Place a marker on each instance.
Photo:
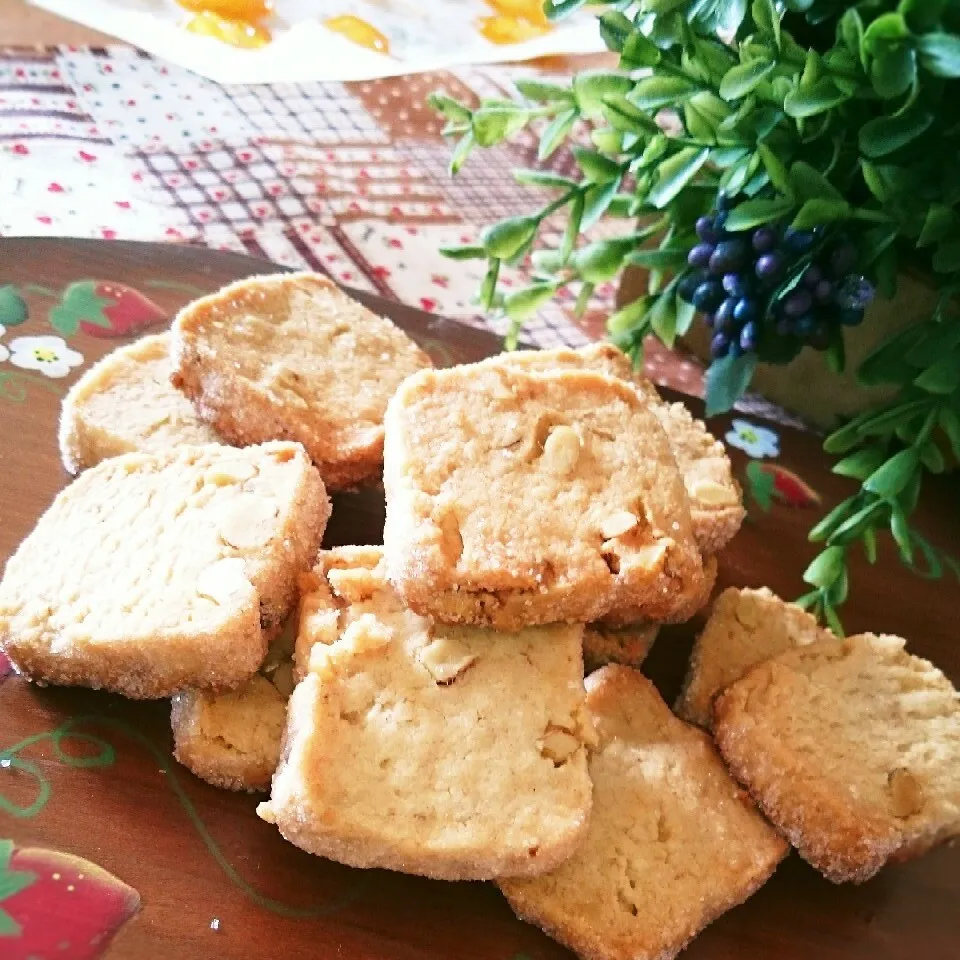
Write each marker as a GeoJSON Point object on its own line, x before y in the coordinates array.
{"type": "Point", "coordinates": [49, 355]}
{"type": "Point", "coordinates": [57, 904]}
{"type": "Point", "coordinates": [755, 441]}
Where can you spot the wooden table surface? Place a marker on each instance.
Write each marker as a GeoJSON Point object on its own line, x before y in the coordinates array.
{"type": "Point", "coordinates": [212, 879]}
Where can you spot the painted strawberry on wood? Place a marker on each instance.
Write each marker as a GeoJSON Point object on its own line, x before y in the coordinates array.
{"type": "Point", "coordinates": [104, 308]}
{"type": "Point", "coordinates": [57, 905]}
{"type": "Point", "coordinates": [770, 482]}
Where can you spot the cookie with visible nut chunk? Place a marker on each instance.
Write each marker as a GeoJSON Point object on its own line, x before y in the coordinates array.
{"type": "Point", "coordinates": [629, 645]}
{"type": "Point", "coordinates": [154, 573]}
{"type": "Point", "coordinates": [291, 356]}
{"type": "Point", "coordinates": [125, 403]}
{"type": "Point", "coordinates": [851, 748]}
{"type": "Point", "coordinates": [450, 752]}
{"type": "Point", "coordinates": [745, 627]}
{"type": "Point", "coordinates": [716, 503]}
{"type": "Point", "coordinates": [673, 842]}
{"type": "Point", "coordinates": [518, 498]}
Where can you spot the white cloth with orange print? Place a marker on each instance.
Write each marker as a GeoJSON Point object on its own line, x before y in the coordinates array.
{"type": "Point", "coordinates": [419, 35]}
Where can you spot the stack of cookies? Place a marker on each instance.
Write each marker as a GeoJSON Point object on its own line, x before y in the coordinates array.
{"type": "Point", "coordinates": [421, 705]}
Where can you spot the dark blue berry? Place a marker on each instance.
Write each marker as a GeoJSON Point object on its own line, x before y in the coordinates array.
{"type": "Point", "coordinates": [812, 276]}
{"type": "Point", "coordinates": [798, 241]}
{"type": "Point", "coordinates": [764, 239]}
{"type": "Point", "coordinates": [719, 222]}
{"type": "Point", "coordinates": [769, 265]}
{"type": "Point", "coordinates": [688, 284]}
{"type": "Point", "coordinates": [745, 311]}
{"type": "Point", "coordinates": [728, 257]}
{"type": "Point", "coordinates": [707, 230]}
{"type": "Point", "coordinates": [748, 337]}
{"type": "Point", "coordinates": [855, 293]}
{"type": "Point", "coordinates": [737, 284]}
{"type": "Point", "coordinates": [700, 255]}
{"type": "Point", "coordinates": [707, 296]}
{"type": "Point", "coordinates": [851, 318]}
{"type": "Point", "coordinates": [719, 346]}
{"type": "Point", "coordinates": [724, 315]}
{"type": "Point", "coordinates": [723, 202]}
{"type": "Point", "coordinates": [843, 259]}
{"type": "Point", "coordinates": [823, 292]}
{"type": "Point", "coordinates": [805, 325]}
{"type": "Point", "coordinates": [798, 303]}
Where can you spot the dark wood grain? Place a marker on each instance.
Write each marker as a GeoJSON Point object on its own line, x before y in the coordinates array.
{"type": "Point", "coordinates": [138, 818]}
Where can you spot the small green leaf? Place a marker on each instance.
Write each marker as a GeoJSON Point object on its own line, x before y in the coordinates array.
{"type": "Point", "coordinates": [833, 621]}
{"type": "Point", "coordinates": [590, 87]}
{"type": "Point", "coordinates": [638, 52]}
{"type": "Point", "coordinates": [621, 114]}
{"type": "Point", "coordinates": [555, 132]}
{"type": "Point", "coordinates": [776, 170]}
{"type": "Point", "coordinates": [524, 303]}
{"type": "Point", "coordinates": [852, 528]}
{"type": "Point", "coordinates": [922, 15]}
{"type": "Point", "coordinates": [13, 308]}
{"type": "Point", "coordinates": [940, 54]}
{"type": "Point", "coordinates": [940, 220]}
{"type": "Point", "coordinates": [744, 78]}
{"type": "Point", "coordinates": [464, 253]}
{"type": "Point", "coordinates": [820, 97]}
{"type": "Point", "coordinates": [851, 30]}
{"type": "Point", "coordinates": [941, 377]}
{"type": "Point", "coordinates": [825, 527]}
{"type": "Point", "coordinates": [752, 213]}
{"type": "Point", "coordinates": [888, 480]}
{"type": "Point", "coordinates": [901, 533]}
{"type": "Point", "coordinates": [884, 135]}
{"type": "Point", "coordinates": [893, 71]}
{"type": "Point", "coordinates": [558, 9]}
{"type": "Point", "coordinates": [573, 228]}
{"type": "Point", "coordinates": [628, 316]}
{"type": "Point", "coordinates": [505, 239]}
{"type": "Point", "coordinates": [767, 18]}
{"type": "Point", "coordinates": [600, 261]}
{"type": "Point", "coordinates": [489, 285]}
{"type": "Point", "coordinates": [861, 464]}
{"type": "Point", "coordinates": [814, 213]}
{"type": "Point", "coordinates": [888, 28]}
{"type": "Point", "coordinates": [825, 567]}
{"type": "Point", "coordinates": [493, 125]}
{"type": "Point", "coordinates": [946, 259]}
{"type": "Point", "coordinates": [949, 421]}
{"type": "Point", "coordinates": [655, 92]}
{"type": "Point", "coordinates": [595, 166]}
{"type": "Point", "coordinates": [450, 108]}
{"type": "Point", "coordinates": [810, 184]}
{"type": "Point", "coordinates": [686, 313]}
{"type": "Point", "coordinates": [460, 152]}
{"type": "Point", "coordinates": [761, 485]}
{"type": "Point", "coordinates": [932, 458]}
{"type": "Point", "coordinates": [615, 28]}
{"type": "Point", "coordinates": [675, 173]}
{"type": "Point", "coordinates": [667, 258]}
{"type": "Point", "coordinates": [727, 380]}
{"type": "Point", "coordinates": [542, 92]}
{"type": "Point", "coordinates": [583, 299]}
{"type": "Point", "coordinates": [596, 201]}
{"type": "Point", "coordinates": [870, 545]}
{"type": "Point", "coordinates": [542, 178]}
{"type": "Point", "coordinates": [663, 317]}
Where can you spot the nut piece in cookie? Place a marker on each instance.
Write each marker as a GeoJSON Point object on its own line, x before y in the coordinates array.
{"type": "Point", "coordinates": [126, 403]}
{"type": "Point", "coordinates": [156, 572]}
{"type": "Point", "coordinates": [851, 748]}
{"type": "Point", "coordinates": [673, 842]}
{"type": "Point", "coordinates": [291, 356]}
{"type": "Point", "coordinates": [451, 752]}
{"type": "Point", "coordinates": [745, 627]}
{"type": "Point", "coordinates": [716, 504]}
{"type": "Point", "coordinates": [518, 498]}
{"type": "Point", "coordinates": [628, 645]}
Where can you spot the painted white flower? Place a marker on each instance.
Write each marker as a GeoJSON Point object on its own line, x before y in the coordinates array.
{"type": "Point", "coordinates": [753, 440]}
{"type": "Point", "coordinates": [50, 355]}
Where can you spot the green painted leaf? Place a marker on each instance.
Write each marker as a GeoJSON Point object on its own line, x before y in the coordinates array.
{"type": "Point", "coordinates": [825, 567]}
{"type": "Point", "coordinates": [504, 239]}
{"type": "Point", "coordinates": [744, 78]}
{"type": "Point", "coordinates": [727, 381]}
{"type": "Point", "coordinates": [888, 480]}
{"type": "Point", "coordinates": [818, 98]}
{"type": "Point", "coordinates": [752, 213]}
{"type": "Point", "coordinates": [555, 132]}
{"type": "Point", "coordinates": [590, 87]}
{"type": "Point", "coordinates": [940, 53]}
{"type": "Point", "coordinates": [542, 92]}
{"type": "Point", "coordinates": [13, 308]}
{"type": "Point", "coordinates": [816, 212]}
{"type": "Point", "coordinates": [675, 173]}
{"type": "Point", "coordinates": [761, 484]}
{"type": "Point", "coordinates": [79, 303]}
{"type": "Point", "coordinates": [884, 135]}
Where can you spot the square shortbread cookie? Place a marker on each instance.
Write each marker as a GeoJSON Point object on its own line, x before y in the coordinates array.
{"type": "Point", "coordinates": [451, 752]}
{"type": "Point", "coordinates": [851, 747]}
{"type": "Point", "coordinates": [291, 356]}
{"type": "Point", "coordinates": [672, 843]}
{"type": "Point", "coordinates": [126, 403]}
{"type": "Point", "coordinates": [154, 573]}
{"type": "Point", "coordinates": [518, 498]}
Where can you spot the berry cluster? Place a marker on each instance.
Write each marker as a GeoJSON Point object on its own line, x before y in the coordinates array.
{"type": "Point", "coordinates": [772, 284]}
